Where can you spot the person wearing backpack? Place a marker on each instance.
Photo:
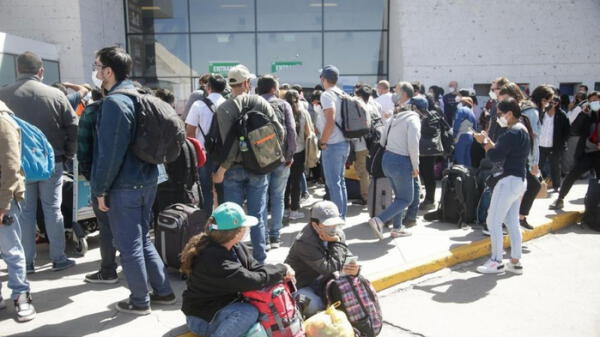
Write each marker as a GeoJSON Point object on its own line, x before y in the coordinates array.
{"type": "Point", "coordinates": [49, 110]}
{"type": "Point", "coordinates": [12, 192]}
{"type": "Point", "coordinates": [334, 146]}
{"type": "Point", "coordinates": [196, 95]}
{"type": "Point", "coordinates": [219, 267]}
{"type": "Point", "coordinates": [198, 124]}
{"type": "Point", "coordinates": [125, 186]}
{"type": "Point", "coordinates": [241, 182]}
{"type": "Point", "coordinates": [319, 251]}
{"type": "Point", "coordinates": [268, 87]}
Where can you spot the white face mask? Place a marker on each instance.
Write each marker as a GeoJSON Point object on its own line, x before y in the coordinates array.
{"type": "Point", "coordinates": [457, 99]}
{"type": "Point", "coordinates": [317, 108]}
{"type": "Point", "coordinates": [97, 82]}
{"type": "Point", "coordinates": [502, 121]}
{"type": "Point", "coordinates": [451, 89]}
{"type": "Point", "coordinates": [493, 95]}
{"type": "Point", "coordinates": [396, 99]}
{"type": "Point", "coordinates": [595, 106]}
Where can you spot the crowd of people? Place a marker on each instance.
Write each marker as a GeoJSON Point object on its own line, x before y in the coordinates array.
{"type": "Point", "coordinates": [523, 139]}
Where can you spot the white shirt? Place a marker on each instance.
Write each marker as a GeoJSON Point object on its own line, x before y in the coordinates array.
{"type": "Point", "coordinates": [200, 115]}
{"type": "Point", "coordinates": [547, 133]}
{"type": "Point", "coordinates": [329, 99]}
{"type": "Point", "coordinates": [387, 105]}
{"type": "Point", "coordinates": [573, 114]}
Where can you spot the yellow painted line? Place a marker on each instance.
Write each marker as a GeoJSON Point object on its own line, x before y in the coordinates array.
{"type": "Point", "coordinates": [465, 253]}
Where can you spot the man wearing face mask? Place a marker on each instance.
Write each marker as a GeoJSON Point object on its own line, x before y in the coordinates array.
{"type": "Point", "coordinates": [587, 155]}
{"type": "Point", "coordinates": [451, 100]}
{"type": "Point", "coordinates": [48, 109]}
{"type": "Point", "coordinates": [239, 184]}
{"type": "Point", "coordinates": [319, 251]}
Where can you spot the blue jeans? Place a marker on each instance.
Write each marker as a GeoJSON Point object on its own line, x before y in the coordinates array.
{"type": "Point", "coordinates": [130, 215]}
{"type": "Point", "coordinates": [504, 208]}
{"type": "Point", "coordinates": [241, 185]}
{"type": "Point", "coordinates": [234, 320]}
{"type": "Point", "coordinates": [413, 208]}
{"type": "Point", "coordinates": [334, 163]}
{"type": "Point", "coordinates": [399, 169]}
{"type": "Point", "coordinates": [108, 263]}
{"type": "Point", "coordinates": [316, 302]}
{"type": "Point", "coordinates": [303, 184]}
{"type": "Point", "coordinates": [49, 192]}
{"type": "Point", "coordinates": [462, 150]}
{"type": "Point", "coordinates": [206, 183]}
{"type": "Point", "coordinates": [483, 206]}
{"type": "Point", "coordinates": [277, 183]}
{"type": "Point", "coordinates": [13, 254]}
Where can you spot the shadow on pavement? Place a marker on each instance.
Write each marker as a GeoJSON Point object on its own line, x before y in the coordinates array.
{"type": "Point", "coordinates": [371, 250]}
{"type": "Point", "coordinates": [463, 290]}
{"type": "Point", "coordinates": [180, 330]}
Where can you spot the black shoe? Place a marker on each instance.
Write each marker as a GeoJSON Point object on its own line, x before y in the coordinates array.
{"type": "Point", "coordinates": [360, 202]}
{"type": "Point", "coordinates": [485, 230]}
{"type": "Point", "coordinates": [275, 243]}
{"type": "Point", "coordinates": [525, 224]}
{"type": "Point", "coordinates": [163, 300]}
{"type": "Point", "coordinates": [66, 264]}
{"type": "Point", "coordinates": [557, 205]}
{"type": "Point", "coordinates": [410, 223]}
{"type": "Point", "coordinates": [427, 205]}
{"type": "Point", "coordinates": [129, 308]}
{"type": "Point", "coordinates": [98, 277]}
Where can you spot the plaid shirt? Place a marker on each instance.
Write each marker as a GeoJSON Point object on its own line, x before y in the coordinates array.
{"type": "Point", "coordinates": [86, 138]}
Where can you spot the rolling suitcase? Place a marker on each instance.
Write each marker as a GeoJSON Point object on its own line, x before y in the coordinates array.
{"type": "Point", "coordinates": [174, 228]}
{"type": "Point", "coordinates": [381, 195]}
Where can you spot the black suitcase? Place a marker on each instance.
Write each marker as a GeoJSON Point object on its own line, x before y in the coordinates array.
{"type": "Point", "coordinates": [591, 215]}
{"type": "Point", "coordinates": [174, 228]}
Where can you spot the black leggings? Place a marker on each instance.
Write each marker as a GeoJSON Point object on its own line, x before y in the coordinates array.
{"type": "Point", "coordinates": [533, 188]}
{"type": "Point", "coordinates": [426, 171]}
{"type": "Point", "coordinates": [293, 187]}
{"type": "Point", "coordinates": [589, 161]}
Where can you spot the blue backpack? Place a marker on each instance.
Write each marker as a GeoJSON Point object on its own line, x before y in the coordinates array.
{"type": "Point", "coordinates": [37, 156]}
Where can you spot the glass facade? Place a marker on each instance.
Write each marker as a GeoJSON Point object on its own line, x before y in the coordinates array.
{"type": "Point", "coordinates": [8, 70]}
{"type": "Point", "coordinates": [173, 42]}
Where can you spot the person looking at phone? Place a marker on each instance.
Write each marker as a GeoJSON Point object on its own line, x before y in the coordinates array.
{"type": "Point", "coordinates": [319, 251]}
{"type": "Point", "coordinates": [12, 191]}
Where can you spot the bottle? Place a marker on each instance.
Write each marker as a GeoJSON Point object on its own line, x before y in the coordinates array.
{"type": "Point", "coordinates": [243, 144]}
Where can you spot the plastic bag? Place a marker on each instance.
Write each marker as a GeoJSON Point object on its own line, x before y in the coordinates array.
{"type": "Point", "coordinates": [329, 323]}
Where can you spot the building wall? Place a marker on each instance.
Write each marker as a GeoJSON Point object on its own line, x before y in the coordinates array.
{"type": "Point", "coordinates": [475, 41]}
{"type": "Point", "coordinates": [78, 28]}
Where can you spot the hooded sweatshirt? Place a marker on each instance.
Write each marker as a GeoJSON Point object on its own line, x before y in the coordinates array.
{"type": "Point", "coordinates": [401, 135]}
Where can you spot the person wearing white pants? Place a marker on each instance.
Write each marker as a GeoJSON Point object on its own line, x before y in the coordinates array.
{"type": "Point", "coordinates": [512, 148]}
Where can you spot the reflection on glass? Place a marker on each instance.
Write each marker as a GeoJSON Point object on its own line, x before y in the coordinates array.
{"type": "Point", "coordinates": [181, 88]}
{"type": "Point", "coordinates": [51, 72]}
{"type": "Point", "coordinates": [355, 14]}
{"type": "Point", "coordinates": [368, 52]}
{"type": "Point", "coordinates": [157, 16]}
{"type": "Point", "coordinates": [277, 15]}
{"type": "Point", "coordinates": [7, 69]}
{"type": "Point", "coordinates": [293, 57]}
{"type": "Point", "coordinates": [222, 16]}
{"type": "Point", "coordinates": [160, 55]}
{"type": "Point", "coordinates": [214, 49]}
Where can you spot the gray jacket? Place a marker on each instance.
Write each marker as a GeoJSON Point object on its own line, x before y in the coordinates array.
{"type": "Point", "coordinates": [48, 109]}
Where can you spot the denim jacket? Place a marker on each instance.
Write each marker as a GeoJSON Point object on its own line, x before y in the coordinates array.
{"type": "Point", "coordinates": [114, 165]}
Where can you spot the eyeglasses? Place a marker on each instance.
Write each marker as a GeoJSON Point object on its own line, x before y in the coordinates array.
{"type": "Point", "coordinates": [96, 66]}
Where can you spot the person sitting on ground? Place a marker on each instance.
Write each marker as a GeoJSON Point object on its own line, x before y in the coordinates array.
{"type": "Point", "coordinates": [319, 251]}
{"type": "Point", "coordinates": [219, 267]}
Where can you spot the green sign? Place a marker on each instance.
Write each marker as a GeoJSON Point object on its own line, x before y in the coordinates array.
{"type": "Point", "coordinates": [221, 67]}
{"type": "Point", "coordinates": [281, 65]}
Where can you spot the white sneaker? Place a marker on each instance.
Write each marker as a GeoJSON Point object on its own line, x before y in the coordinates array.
{"type": "Point", "coordinates": [399, 233]}
{"type": "Point", "coordinates": [25, 310]}
{"type": "Point", "coordinates": [491, 267]}
{"type": "Point", "coordinates": [515, 268]}
{"type": "Point", "coordinates": [296, 215]}
{"type": "Point", "coordinates": [377, 226]}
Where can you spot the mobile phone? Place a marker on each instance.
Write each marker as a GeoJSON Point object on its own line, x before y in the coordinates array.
{"type": "Point", "coordinates": [8, 220]}
{"type": "Point", "coordinates": [351, 259]}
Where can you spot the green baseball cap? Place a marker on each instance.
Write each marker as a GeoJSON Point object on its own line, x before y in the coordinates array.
{"type": "Point", "coordinates": [230, 215]}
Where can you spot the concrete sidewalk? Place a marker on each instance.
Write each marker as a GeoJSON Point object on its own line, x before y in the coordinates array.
{"type": "Point", "coordinates": [69, 307]}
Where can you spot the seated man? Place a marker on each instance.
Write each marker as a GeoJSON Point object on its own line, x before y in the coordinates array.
{"type": "Point", "coordinates": [318, 252]}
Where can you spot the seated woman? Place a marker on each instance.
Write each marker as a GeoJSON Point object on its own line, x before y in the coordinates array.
{"type": "Point", "coordinates": [219, 267]}
{"type": "Point", "coordinates": [318, 252]}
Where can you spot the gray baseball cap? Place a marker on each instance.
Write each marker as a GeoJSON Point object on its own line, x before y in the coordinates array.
{"type": "Point", "coordinates": [327, 213]}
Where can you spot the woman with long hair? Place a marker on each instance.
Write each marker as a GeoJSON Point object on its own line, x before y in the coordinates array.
{"type": "Point", "coordinates": [553, 140]}
{"type": "Point", "coordinates": [464, 124]}
{"type": "Point", "coordinates": [219, 267]}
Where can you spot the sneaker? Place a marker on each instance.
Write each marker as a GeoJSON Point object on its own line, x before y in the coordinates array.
{"type": "Point", "coordinates": [491, 267]}
{"type": "Point", "coordinates": [515, 268]}
{"type": "Point", "coordinates": [58, 266]}
{"type": "Point", "coordinates": [129, 308]}
{"type": "Point", "coordinates": [2, 304]}
{"type": "Point", "coordinates": [296, 215]}
{"type": "Point", "coordinates": [377, 226]}
{"type": "Point", "coordinates": [361, 202]}
{"type": "Point", "coordinates": [558, 204]}
{"type": "Point", "coordinates": [286, 213]}
{"type": "Point", "coordinates": [30, 269]}
{"type": "Point", "coordinates": [427, 205]}
{"type": "Point", "coordinates": [163, 300]}
{"type": "Point", "coordinates": [485, 230]}
{"type": "Point", "coordinates": [525, 224]}
{"type": "Point", "coordinates": [275, 243]}
{"type": "Point", "coordinates": [305, 197]}
{"type": "Point", "coordinates": [98, 277]}
{"type": "Point", "coordinates": [25, 310]}
{"type": "Point", "coordinates": [399, 233]}
{"type": "Point", "coordinates": [410, 223]}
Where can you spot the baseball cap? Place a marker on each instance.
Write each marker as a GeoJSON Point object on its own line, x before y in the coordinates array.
{"type": "Point", "coordinates": [420, 102]}
{"type": "Point", "coordinates": [230, 215]}
{"type": "Point", "coordinates": [330, 73]}
{"type": "Point", "coordinates": [239, 74]}
{"type": "Point", "coordinates": [327, 213]}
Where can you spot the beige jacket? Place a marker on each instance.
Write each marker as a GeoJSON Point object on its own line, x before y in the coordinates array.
{"type": "Point", "coordinates": [12, 178]}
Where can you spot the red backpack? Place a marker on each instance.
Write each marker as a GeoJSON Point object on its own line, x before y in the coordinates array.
{"type": "Point", "coordinates": [277, 309]}
{"type": "Point", "coordinates": [200, 153]}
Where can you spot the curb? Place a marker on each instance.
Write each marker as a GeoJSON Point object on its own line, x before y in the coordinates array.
{"type": "Point", "coordinates": [465, 253]}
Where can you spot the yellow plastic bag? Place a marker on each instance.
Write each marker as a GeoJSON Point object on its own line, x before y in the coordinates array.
{"type": "Point", "coordinates": [329, 323]}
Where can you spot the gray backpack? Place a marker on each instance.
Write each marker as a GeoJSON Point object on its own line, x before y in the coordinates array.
{"type": "Point", "coordinates": [356, 120]}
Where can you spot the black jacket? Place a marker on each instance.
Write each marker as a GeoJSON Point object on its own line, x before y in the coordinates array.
{"type": "Point", "coordinates": [432, 126]}
{"type": "Point", "coordinates": [310, 258]}
{"type": "Point", "coordinates": [218, 278]}
{"type": "Point", "coordinates": [562, 130]}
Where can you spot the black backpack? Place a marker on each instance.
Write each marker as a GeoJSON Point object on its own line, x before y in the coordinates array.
{"type": "Point", "coordinates": [591, 215]}
{"type": "Point", "coordinates": [212, 137]}
{"type": "Point", "coordinates": [159, 131]}
{"type": "Point", "coordinates": [278, 108]}
{"type": "Point", "coordinates": [460, 195]}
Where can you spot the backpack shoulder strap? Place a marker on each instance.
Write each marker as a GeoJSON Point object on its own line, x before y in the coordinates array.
{"type": "Point", "coordinates": [213, 108]}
